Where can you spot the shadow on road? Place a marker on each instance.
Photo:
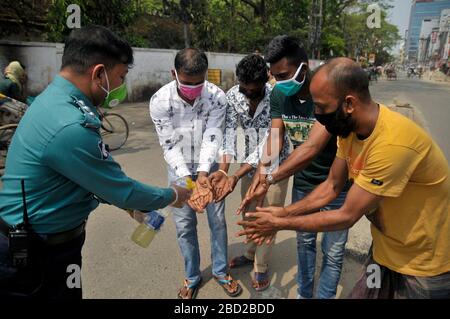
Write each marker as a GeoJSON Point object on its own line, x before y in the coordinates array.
{"type": "Point", "coordinates": [283, 271]}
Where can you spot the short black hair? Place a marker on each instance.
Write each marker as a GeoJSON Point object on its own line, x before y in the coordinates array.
{"type": "Point", "coordinates": [191, 61]}
{"type": "Point", "coordinates": [284, 46]}
{"type": "Point", "coordinates": [92, 45]}
{"type": "Point", "coordinates": [347, 77]}
{"type": "Point", "coordinates": [252, 69]}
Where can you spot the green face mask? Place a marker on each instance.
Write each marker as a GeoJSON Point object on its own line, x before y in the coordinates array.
{"type": "Point", "coordinates": [115, 96]}
{"type": "Point", "coordinates": [291, 86]}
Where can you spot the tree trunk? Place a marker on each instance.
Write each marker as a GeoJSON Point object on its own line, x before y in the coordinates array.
{"type": "Point", "coordinates": [315, 34]}
{"type": "Point", "coordinates": [232, 35]}
{"type": "Point", "coordinates": [187, 40]}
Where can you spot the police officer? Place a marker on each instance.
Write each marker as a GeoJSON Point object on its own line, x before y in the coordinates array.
{"type": "Point", "coordinates": [66, 170]}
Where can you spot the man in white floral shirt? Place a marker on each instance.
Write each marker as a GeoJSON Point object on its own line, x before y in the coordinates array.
{"type": "Point", "coordinates": [189, 114]}
{"type": "Point", "coordinates": [249, 108]}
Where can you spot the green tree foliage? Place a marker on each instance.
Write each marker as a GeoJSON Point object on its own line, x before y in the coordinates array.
{"type": "Point", "coordinates": [22, 19]}
{"type": "Point", "coordinates": [362, 41]}
{"type": "Point", "coordinates": [240, 26]}
{"type": "Point", "coordinates": [118, 15]}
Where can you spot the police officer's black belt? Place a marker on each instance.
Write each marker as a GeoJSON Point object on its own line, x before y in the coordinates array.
{"type": "Point", "coordinates": [64, 237]}
{"type": "Point", "coordinates": [50, 239]}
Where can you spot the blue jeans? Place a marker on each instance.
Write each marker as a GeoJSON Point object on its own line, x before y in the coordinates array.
{"type": "Point", "coordinates": [333, 249]}
{"type": "Point", "coordinates": [185, 219]}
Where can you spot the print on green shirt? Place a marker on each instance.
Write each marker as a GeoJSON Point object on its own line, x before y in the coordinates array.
{"type": "Point", "coordinates": [297, 128]}
{"type": "Point", "coordinates": [298, 118]}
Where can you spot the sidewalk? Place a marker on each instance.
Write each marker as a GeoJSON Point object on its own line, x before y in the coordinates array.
{"type": "Point", "coordinates": [436, 77]}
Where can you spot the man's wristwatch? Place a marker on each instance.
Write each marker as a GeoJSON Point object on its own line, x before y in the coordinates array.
{"type": "Point", "coordinates": [270, 180]}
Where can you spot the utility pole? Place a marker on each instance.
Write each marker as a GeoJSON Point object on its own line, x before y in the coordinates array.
{"type": "Point", "coordinates": [315, 25]}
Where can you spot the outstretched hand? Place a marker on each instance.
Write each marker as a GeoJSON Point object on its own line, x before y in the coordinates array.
{"type": "Point", "coordinates": [219, 182]}
{"type": "Point", "coordinates": [200, 198]}
{"type": "Point", "coordinates": [257, 192]}
{"type": "Point", "coordinates": [260, 226]}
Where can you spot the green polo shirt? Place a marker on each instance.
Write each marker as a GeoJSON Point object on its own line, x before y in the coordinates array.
{"type": "Point", "coordinates": [58, 150]}
{"type": "Point", "coordinates": [298, 118]}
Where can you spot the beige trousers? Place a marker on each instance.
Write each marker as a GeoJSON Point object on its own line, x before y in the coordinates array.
{"type": "Point", "coordinates": [274, 197]}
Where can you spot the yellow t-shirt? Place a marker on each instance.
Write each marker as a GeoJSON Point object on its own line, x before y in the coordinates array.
{"type": "Point", "coordinates": [401, 162]}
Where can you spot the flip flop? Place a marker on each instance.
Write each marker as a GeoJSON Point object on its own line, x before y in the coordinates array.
{"type": "Point", "coordinates": [189, 291]}
{"type": "Point", "coordinates": [240, 262]}
{"type": "Point", "coordinates": [229, 285]}
{"type": "Point", "coordinates": [261, 281]}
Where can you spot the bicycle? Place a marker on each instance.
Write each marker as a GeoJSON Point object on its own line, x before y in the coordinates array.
{"type": "Point", "coordinates": [6, 135]}
{"type": "Point", "coordinates": [11, 111]}
{"type": "Point", "coordinates": [114, 130]}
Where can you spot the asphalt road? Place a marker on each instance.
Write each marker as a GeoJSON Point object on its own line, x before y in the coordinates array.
{"type": "Point", "coordinates": [430, 99]}
{"type": "Point", "coordinates": [114, 267]}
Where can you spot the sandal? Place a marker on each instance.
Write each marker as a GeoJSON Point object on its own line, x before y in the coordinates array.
{"type": "Point", "coordinates": [231, 286]}
{"type": "Point", "coordinates": [240, 262]}
{"type": "Point", "coordinates": [189, 291]}
{"type": "Point", "coordinates": [261, 281]}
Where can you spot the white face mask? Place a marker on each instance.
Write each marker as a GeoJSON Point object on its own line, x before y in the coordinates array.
{"type": "Point", "coordinates": [292, 86]}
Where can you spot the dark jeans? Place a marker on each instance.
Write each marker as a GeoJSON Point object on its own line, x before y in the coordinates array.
{"type": "Point", "coordinates": [47, 274]}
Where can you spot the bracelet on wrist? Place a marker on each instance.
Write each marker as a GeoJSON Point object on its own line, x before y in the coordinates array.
{"type": "Point", "coordinates": [223, 172]}
{"type": "Point", "coordinates": [176, 195]}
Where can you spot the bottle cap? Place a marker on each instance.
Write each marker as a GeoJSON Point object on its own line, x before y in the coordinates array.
{"type": "Point", "coordinates": [190, 185]}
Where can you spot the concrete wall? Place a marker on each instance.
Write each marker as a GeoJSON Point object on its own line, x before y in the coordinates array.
{"type": "Point", "coordinates": [42, 61]}
{"type": "Point", "coordinates": [151, 67]}
{"type": "Point", "coordinates": [152, 70]}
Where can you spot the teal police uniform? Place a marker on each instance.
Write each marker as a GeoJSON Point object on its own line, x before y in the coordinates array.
{"type": "Point", "coordinates": [59, 153]}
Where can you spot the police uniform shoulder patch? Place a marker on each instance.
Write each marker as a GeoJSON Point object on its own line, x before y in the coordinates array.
{"type": "Point", "coordinates": [90, 119]}
{"type": "Point", "coordinates": [104, 152]}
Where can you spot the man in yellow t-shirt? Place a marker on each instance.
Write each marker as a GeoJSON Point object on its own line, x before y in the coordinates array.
{"type": "Point", "coordinates": [401, 182]}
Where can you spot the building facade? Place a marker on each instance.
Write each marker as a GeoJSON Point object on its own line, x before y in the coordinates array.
{"type": "Point", "coordinates": [444, 35]}
{"type": "Point", "coordinates": [422, 10]}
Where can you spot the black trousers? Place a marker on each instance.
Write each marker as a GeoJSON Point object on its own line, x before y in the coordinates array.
{"type": "Point", "coordinates": [49, 274]}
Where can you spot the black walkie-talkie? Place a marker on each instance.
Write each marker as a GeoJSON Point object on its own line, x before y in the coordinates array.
{"type": "Point", "coordinates": [19, 237]}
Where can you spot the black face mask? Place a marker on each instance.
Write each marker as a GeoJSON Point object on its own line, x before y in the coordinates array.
{"type": "Point", "coordinates": [253, 95]}
{"type": "Point", "coordinates": [337, 123]}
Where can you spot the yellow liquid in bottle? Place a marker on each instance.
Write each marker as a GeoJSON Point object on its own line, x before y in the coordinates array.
{"type": "Point", "coordinates": [143, 235]}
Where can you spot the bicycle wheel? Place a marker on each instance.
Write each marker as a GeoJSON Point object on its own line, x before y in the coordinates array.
{"type": "Point", "coordinates": [6, 135]}
{"type": "Point", "coordinates": [114, 130]}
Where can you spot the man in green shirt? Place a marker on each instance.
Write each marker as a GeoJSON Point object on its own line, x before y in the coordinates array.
{"type": "Point", "coordinates": [58, 152]}
{"type": "Point", "coordinates": [292, 112]}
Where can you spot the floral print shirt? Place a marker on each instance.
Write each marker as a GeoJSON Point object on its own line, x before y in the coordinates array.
{"type": "Point", "coordinates": [190, 135]}
{"type": "Point", "coordinates": [256, 129]}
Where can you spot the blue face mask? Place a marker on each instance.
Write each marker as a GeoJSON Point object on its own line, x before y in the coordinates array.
{"type": "Point", "coordinates": [292, 86]}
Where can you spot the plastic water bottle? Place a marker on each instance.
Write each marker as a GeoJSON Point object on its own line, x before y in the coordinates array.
{"type": "Point", "coordinates": [145, 232]}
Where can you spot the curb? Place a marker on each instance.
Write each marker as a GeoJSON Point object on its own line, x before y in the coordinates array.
{"type": "Point", "coordinates": [410, 112]}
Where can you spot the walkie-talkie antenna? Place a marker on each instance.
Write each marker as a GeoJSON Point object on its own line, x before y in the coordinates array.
{"type": "Point", "coordinates": [24, 201]}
